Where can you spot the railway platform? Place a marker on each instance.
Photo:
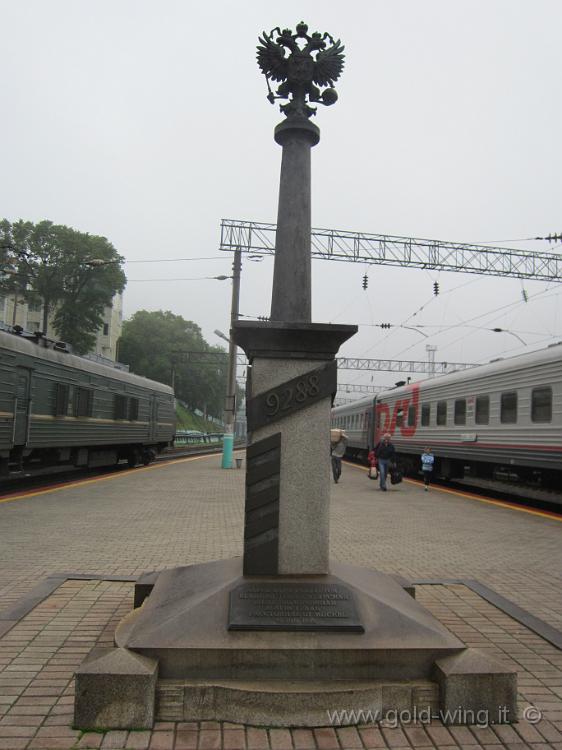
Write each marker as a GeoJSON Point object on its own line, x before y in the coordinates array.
{"type": "Point", "coordinates": [492, 573]}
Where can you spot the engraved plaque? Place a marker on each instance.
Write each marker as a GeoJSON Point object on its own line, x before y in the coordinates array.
{"type": "Point", "coordinates": [293, 606]}
{"type": "Point", "coordinates": [285, 399]}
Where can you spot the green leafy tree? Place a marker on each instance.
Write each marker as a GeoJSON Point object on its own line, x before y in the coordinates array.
{"type": "Point", "coordinates": [75, 275]}
{"type": "Point", "coordinates": [161, 346]}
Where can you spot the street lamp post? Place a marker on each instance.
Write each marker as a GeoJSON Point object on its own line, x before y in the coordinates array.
{"type": "Point", "coordinates": [230, 400]}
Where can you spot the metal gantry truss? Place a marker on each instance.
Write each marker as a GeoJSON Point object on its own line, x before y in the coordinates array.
{"type": "Point", "coordinates": [401, 365]}
{"type": "Point", "coordinates": [408, 252]}
{"type": "Point", "coordinates": [358, 388]}
{"type": "Point", "coordinates": [344, 363]}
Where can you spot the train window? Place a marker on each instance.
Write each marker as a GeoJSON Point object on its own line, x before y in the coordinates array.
{"type": "Point", "coordinates": [541, 405]}
{"type": "Point", "coordinates": [83, 402]}
{"type": "Point", "coordinates": [400, 418]}
{"type": "Point", "coordinates": [482, 410]}
{"type": "Point", "coordinates": [411, 416]}
{"type": "Point", "coordinates": [133, 409]}
{"type": "Point", "coordinates": [61, 400]}
{"type": "Point", "coordinates": [425, 414]}
{"type": "Point", "coordinates": [441, 413]}
{"type": "Point", "coordinates": [120, 407]}
{"type": "Point", "coordinates": [460, 411]}
{"type": "Point", "coordinates": [508, 408]}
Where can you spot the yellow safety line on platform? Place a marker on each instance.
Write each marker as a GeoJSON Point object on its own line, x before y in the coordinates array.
{"type": "Point", "coordinates": [479, 498]}
{"type": "Point", "coordinates": [123, 473]}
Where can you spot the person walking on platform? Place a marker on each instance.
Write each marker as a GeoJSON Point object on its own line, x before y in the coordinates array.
{"type": "Point", "coordinates": [338, 440]}
{"type": "Point", "coordinates": [384, 453]}
{"type": "Point", "coordinates": [427, 461]}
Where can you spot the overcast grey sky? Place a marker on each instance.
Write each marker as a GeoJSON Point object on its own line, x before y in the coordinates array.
{"type": "Point", "coordinates": [147, 123]}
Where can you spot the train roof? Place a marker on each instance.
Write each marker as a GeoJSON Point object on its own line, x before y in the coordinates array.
{"type": "Point", "coordinates": [359, 405]}
{"type": "Point", "coordinates": [552, 353]}
{"type": "Point", "coordinates": [26, 346]}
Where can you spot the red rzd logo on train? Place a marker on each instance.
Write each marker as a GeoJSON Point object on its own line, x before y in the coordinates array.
{"type": "Point", "coordinates": [386, 422]}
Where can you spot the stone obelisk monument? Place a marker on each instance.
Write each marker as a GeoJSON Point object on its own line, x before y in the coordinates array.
{"type": "Point", "coordinates": [283, 635]}
{"type": "Point", "coordinates": [293, 374]}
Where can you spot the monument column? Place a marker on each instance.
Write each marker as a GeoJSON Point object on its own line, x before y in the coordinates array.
{"type": "Point", "coordinates": [291, 296]}
{"type": "Point", "coordinates": [293, 374]}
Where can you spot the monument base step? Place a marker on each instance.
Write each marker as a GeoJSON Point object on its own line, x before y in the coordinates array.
{"type": "Point", "coordinates": [294, 704]}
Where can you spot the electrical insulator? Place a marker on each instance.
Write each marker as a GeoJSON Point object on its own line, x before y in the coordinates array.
{"type": "Point", "coordinates": [436, 288]}
{"type": "Point", "coordinates": [554, 238]}
{"type": "Point", "coordinates": [524, 295]}
{"type": "Point", "coordinates": [385, 325]}
{"type": "Point", "coordinates": [365, 281]}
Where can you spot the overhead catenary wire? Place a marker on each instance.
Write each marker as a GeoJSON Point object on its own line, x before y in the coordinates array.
{"type": "Point", "coordinates": [173, 260]}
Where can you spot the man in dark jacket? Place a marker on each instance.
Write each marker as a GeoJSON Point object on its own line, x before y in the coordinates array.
{"type": "Point", "coordinates": [384, 452]}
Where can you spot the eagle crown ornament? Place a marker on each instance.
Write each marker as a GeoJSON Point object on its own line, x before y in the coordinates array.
{"type": "Point", "coordinates": [299, 71]}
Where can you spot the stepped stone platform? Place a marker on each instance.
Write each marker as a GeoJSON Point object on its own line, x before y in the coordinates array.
{"type": "Point", "coordinates": [403, 659]}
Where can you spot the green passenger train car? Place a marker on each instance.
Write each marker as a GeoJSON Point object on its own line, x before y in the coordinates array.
{"type": "Point", "coordinates": [60, 409]}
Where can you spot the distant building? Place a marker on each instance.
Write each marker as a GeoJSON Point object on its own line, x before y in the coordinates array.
{"type": "Point", "coordinates": [30, 317]}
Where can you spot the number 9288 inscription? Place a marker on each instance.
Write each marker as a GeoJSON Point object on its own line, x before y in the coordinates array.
{"type": "Point", "coordinates": [288, 396]}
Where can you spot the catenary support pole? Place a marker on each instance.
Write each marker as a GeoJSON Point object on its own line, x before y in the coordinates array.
{"type": "Point", "coordinates": [230, 402]}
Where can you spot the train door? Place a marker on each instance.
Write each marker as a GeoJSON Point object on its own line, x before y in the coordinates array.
{"type": "Point", "coordinates": [153, 417]}
{"type": "Point", "coordinates": [369, 427]}
{"type": "Point", "coordinates": [22, 406]}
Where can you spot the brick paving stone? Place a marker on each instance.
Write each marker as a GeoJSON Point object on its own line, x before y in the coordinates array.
{"type": "Point", "coordinates": [326, 738]}
{"type": "Point", "coordinates": [186, 739]}
{"type": "Point", "coordinates": [506, 733]}
{"type": "Point", "coordinates": [15, 731]}
{"type": "Point", "coordinates": [58, 731]}
{"type": "Point", "coordinates": [90, 740]}
{"type": "Point", "coordinates": [209, 739]}
{"type": "Point", "coordinates": [280, 739]}
{"type": "Point", "coordinates": [549, 732]}
{"type": "Point", "coordinates": [527, 732]}
{"type": "Point", "coordinates": [233, 739]}
{"type": "Point", "coordinates": [303, 739]}
{"type": "Point", "coordinates": [349, 737]}
{"type": "Point", "coordinates": [371, 737]}
{"type": "Point", "coordinates": [114, 739]}
{"type": "Point", "coordinates": [138, 739]}
{"type": "Point", "coordinates": [394, 737]}
{"type": "Point", "coordinates": [440, 735]}
{"type": "Point", "coordinates": [50, 743]}
{"type": "Point", "coordinates": [162, 740]}
{"type": "Point", "coordinates": [417, 736]}
{"type": "Point", "coordinates": [257, 738]}
{"type": "Point", "coordinates": [13, 743]}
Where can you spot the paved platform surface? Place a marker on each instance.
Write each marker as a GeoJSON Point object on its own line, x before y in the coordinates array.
{"type": "Point", "coordinates": [192, 511]}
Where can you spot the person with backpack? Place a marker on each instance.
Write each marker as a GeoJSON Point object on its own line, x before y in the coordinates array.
{"type": "Point", "coordinates": [427, 461]}
{"type": "Point", "coordinates": [384, 453]}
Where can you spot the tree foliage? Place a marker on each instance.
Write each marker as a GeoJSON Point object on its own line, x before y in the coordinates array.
{"type": "Point", "coordinates": [73, 274]}
{"type": "Point", "coordinates": [155, 343]}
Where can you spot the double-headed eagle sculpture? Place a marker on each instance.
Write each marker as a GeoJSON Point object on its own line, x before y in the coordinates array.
{"type": "Point", "coordinates": [299, 71]}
